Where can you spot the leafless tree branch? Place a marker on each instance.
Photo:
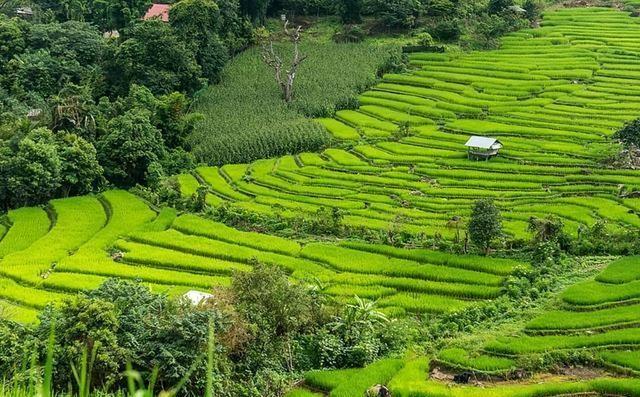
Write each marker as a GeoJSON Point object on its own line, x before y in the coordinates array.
{"type": "Point", "coordinates": [272, 59]}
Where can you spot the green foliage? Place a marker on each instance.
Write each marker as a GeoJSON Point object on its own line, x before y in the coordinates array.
{"type": "Point", "coordinates": [43, 164]}
{"type": "Point", "coordinates": [395, 14]}
{"type": "Point", "coordinates": [350, 11]}
{"type": "Point", "coordinates": [154, 56]}
{"type": "Point", "coordinates": [534, 9]}
{"type": "Point", "coordinates": [106, 14]}
{"type": "Point", "coordinates": [55, 54]}
{"type": "Point", "coordinates": [440, 8]}
{"type": "Point", "coordinates": [359, 335]}
{"type": "Point", "coordinates": [275, 311]}
{"type": "Point", "coordinates": [15, 346]}
{"type": "Point", "coordinates": [629, 135]}
{"type": "Point", "coordinates": [196, 22]}
{"type": "Point", "coordinates": [130, 147]}
{"type": "Point", "coordinates": [255, 10]}
{"type": "Point", "coordinates": [81, 324]}
{"type": "Point", "coordinates": [80, 172]}
{"type": "Point", "coordinates": [499, 6]}
{"type": "Point", "coordinates": [485, 225]}
{"type": "Point", "coordinates": [448, 29]}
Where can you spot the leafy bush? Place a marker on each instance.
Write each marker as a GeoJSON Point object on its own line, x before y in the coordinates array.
{"type": "Point", "coordinates": [349, 34]}
{"type": "Point", "coordinates": [485, 224]}
{"type": "Point", "coordinates": [447, 29]}
{"type": "Point", "coordinates": [629, 135]}
{"type": "Point", "coordinates": [350, 11]}
{"type": "Point", "coordinates": [439, 8]}
{"type": "Point", "coordinates": [395, 14]}
{"type": "Point", "coordinates": [499, 6]}
{"type": "Point", "coordinates": [153, 55]}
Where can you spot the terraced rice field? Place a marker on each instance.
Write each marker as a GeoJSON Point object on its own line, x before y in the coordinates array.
{"type": "Point", "coordinates": [47, 255]}
{"type": "Point", "coordinates": [601, 316]}
{"type": "Point", "coordinates": [410, 378]}
{"type": "Point", "coordinates": [553, 96]}
{"type": "Point", "coordinates": [610, 330]}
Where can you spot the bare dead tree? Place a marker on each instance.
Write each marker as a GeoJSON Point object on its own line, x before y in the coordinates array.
{"type": "Point", "coordinates": [285, 77]}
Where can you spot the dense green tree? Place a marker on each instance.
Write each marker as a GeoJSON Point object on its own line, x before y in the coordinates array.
{"type": "Point", "coordinates": [174, 120]}
{"type": "Point", "coordinates": [629, 135]}
{"type": "Point", "coordinates": [43, 164]}
{"type": "Point", "coordinates": [275, 311]}
{"type": "Point", "coordinates": [255, 10]}
{"type": "Point", "coordinates": [447, 29]}
{"type": "Point", "coordinates": [350, 11]}
{"type": "Point", "coordinates": [499, 6]}
{"type": "Point", "coordinates": [169, 113]}
{"type": "Point", "coordinates": [130, 145]}
{"type": "Point", "coordinates": [74, 110]}
{"type": "Point", "coordinates": [15, 344]}
{"type": "Point", "coordinates": [12, 39]}
{"type": "Point", "coordinates": [395, 14]}
{"type": "Point", "coordinates": [71, 40]}
{"type": "Point", "coordinates": [441, 7]}
{"type": "Point", "coordinates": [485, 225]}
{"type": "Point", "coordinates": [197, 23]}
{"type": "Point", "coordinates": [56, 55]}
{"type": "Point", "coordinates": [234, 29]}
{"type": "Point", "coordinates": [534, 9]}
{"type": "Point", "coordinates": [39, 72]}
{"type": "Point", "coordinates": [80, 171]}
{"type": "Point", "coordinates": [156, 331]}
{"type": "Point", "coordinates": [545, 229]}
{"type": "Point", "coordinates": [30, 169]}
{"type": "Point", "coordinates": [116, 14]}
{"type": "Point", "coordinates": [177, 161]}
{"type": "Point", "coordinates": [153, 56]}
{"type": "Point", "coordinates": [82, 325]}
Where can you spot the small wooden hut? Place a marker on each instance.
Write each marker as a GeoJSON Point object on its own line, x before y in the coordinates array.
{"type": "Point", "coordinates": [482, 148]}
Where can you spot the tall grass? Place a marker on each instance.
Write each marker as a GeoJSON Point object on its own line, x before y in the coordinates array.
{"type": "Point", "coordinates": [41, 384]}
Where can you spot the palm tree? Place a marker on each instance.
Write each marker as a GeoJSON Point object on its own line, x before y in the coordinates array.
{"type": "Point", "coordinates": [361, 314]}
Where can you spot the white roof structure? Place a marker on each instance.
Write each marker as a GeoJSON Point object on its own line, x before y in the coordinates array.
{"type": "Point", "coordinates": [197, 297]}
{"type": "Point", "coordinates": [483, 143]}
{"type": "Point", "coordinates": [24, 11]}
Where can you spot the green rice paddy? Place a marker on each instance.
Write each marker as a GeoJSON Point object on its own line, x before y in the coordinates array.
{"type": "Point", "coordinates": [552, 95]}
{"type": "Point", "coordinates": [90, 239]}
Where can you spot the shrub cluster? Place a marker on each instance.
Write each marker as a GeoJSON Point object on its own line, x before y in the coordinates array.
{"type": "Point", "coordinates": [267, 329]}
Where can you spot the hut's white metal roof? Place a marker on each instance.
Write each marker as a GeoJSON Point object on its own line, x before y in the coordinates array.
{"type": "Point", "coordinates": [197, 297]}
{"type": "Point", "coordinates": [483, 142]}
{"type": "Point", "coordinates": [516, 8]}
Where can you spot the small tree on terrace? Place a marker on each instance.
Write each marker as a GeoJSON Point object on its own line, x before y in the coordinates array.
{"type": "Point", "coordinates": [285, 78]}
{"type": "Point", "coordinates": [485, 224]}
{"type": "Point", "coordinates": [629, 135]}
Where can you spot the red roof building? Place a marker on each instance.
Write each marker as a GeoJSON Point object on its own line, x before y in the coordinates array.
{"type": "Point", "coordinates": [158, 11]}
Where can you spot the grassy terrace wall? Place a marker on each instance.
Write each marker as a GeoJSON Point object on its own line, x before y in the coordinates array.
{"type": "Point", "coordinates": [553, 96]}
{"type": "Point", "coordinates": [69, 250]}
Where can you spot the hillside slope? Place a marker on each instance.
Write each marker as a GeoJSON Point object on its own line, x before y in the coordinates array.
{"type": "Point", "coordinates": [553, 96]}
